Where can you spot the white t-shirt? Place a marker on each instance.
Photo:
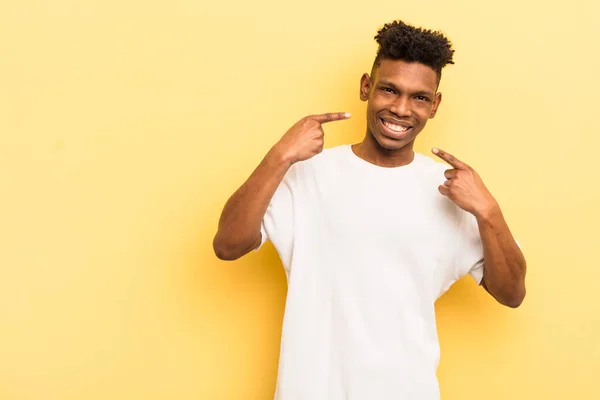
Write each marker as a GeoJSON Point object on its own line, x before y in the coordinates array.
{"type": "Point", "coordinates": [366, 250]}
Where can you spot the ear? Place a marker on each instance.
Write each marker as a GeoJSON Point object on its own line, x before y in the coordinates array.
{"type": "Point", "coordinates": [436, 103]}
{"type": "Point", "coordinates": [365, 87]}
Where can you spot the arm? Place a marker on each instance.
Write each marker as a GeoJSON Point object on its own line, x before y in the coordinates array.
{"type": "Point", "coordinates": [504, 265]}
{"type": "Point", "coordinates": [239, 225]}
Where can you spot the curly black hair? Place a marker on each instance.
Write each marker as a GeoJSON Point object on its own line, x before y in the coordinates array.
{"type": "Point", "coordinates": [400, 41]}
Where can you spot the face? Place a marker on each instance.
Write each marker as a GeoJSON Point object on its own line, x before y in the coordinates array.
{"type": "Point", "coordinates": [401, 97]}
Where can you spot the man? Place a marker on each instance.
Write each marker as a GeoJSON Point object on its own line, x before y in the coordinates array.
{"type": "Point", "coordinates": [371, 234]}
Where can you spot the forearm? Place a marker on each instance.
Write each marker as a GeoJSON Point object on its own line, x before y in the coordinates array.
{"type": "Point", "coordinates": [239, 225]}
{"type": "Point", "coordinates": [505, 266]}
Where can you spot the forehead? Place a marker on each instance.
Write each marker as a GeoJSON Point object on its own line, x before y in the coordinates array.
{"type": "Point", "coordinates": [409, 75]}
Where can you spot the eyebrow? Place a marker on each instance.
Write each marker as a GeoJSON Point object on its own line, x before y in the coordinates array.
{"type": "Point", "coordinates": [418, 93]}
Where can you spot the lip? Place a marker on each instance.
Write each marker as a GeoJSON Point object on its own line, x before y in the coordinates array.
{"type": "Point", "coordinates": [393, 134]}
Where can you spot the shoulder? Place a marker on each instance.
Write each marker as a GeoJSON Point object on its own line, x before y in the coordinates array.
{"type": "Point", "coordinates": [332, 154]}
{"type": "Point", "coordinates": [327, 158]}
{"type": "Point", "coordinates": [430, 168]}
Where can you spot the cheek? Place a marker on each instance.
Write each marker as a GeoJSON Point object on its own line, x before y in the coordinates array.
{"type": "Point", "coordinates": [423, 112]}
{"type": "Point", "coordinates": [372, 109]}
{"type": "Point", "coordinates": [376, 104]}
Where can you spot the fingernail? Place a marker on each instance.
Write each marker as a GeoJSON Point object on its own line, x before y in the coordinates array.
{"type": "Point", "coordinates": [435, 151]}
{"type": "Point", "coordinates": [347, 115]}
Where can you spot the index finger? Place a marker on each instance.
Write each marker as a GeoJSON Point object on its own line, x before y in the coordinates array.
{"type": "Point", "coordinates": [329, 117]}
{"type": "Point", "coordinates": [450, 159]}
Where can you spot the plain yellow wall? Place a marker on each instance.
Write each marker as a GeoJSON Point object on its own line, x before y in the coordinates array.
{"type": "Point", "coordinates": [125, 126]}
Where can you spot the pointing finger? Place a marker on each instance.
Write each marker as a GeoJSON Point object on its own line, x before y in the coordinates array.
{"type": "Point", "coordinates": [329, 117]}
{"type": "Point", "coordinates": [450, 159]}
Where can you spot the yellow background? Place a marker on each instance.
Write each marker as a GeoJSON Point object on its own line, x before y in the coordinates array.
{"type": "Point", "coordinates": [125, 125]}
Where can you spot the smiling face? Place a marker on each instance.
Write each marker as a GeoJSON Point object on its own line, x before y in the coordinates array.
{"type": "Point", "coordinates": [401, 97]}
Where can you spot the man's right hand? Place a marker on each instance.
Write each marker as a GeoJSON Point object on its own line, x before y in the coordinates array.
{"type": "Point", "coordinates": [305, 138]}
{"type": "Point", "coordinates": [240, 222]}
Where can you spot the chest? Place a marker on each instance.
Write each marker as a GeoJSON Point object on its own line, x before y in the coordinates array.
{"type": "Point", "coordinates": [404, 212]}
{"type": "Point", "coordinates": [381, 237]}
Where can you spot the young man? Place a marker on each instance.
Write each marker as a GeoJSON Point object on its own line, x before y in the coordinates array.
{"type": "Point", "coordinates": [371, 234]}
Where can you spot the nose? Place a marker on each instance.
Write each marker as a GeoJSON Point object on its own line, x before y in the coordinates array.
{"type": "Point", "coordinates": [401, 107]}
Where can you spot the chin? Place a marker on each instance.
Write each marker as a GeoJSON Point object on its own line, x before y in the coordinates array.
{"type": "Point", "coordinates": [392, 144]}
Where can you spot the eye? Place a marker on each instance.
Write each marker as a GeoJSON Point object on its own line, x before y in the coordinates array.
{"type": "Point", "coordinates": [387, 89]}
{"type": "Point", "coordinates": [422, 98]}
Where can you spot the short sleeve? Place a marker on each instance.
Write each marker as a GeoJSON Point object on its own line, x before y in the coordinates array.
{"type": "Point", "coordinates": [263, 235]}
{"type": "Point", "coordinates": [470, 249]}
{"type": "Point", "coordinates": [469, 257]}
{"type": "Point", "coordinates": [277, 224]}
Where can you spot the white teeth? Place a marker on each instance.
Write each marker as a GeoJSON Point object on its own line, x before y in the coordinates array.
{"type": "Point", "coordinates": [395, 128]}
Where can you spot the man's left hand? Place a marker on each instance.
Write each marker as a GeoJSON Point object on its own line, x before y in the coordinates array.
{"type": "Point", "coordinates": [464, 186]}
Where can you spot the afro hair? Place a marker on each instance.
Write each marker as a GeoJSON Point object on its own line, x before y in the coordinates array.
{"type": "Point", "coordinates": [400, 41]}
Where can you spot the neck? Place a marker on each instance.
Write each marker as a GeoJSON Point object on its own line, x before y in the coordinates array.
{"type": "Point", "coordinates": [371, 151]}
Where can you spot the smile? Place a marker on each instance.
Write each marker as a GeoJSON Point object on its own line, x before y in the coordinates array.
{"type": "Point", "coordinates": [395, 130]}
